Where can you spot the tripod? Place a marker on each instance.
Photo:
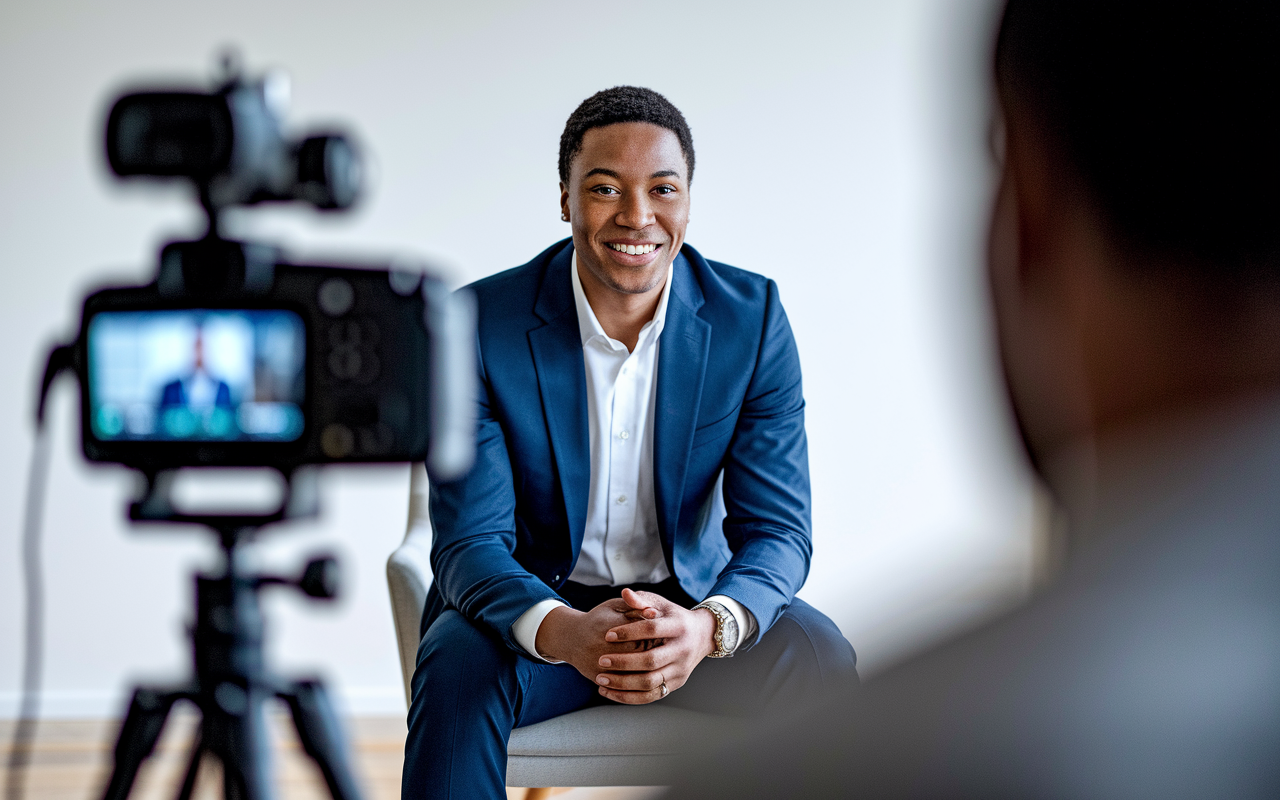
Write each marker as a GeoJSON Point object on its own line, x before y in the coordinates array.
{"type": "Point", "coordinates": [232, 684]}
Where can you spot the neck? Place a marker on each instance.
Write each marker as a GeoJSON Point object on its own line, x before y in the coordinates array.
{"type": "Point", "coordinates": [1169, 345]}
{"type": "Point", "coordinates": [1109, 483]}
{"type": "Point", "coordinates": [621, 314]}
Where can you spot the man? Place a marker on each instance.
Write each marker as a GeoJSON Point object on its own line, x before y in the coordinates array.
{"type": "Point", "coordinates": [1135, 273]}
{"type": "Point", "coordinates": [197, 404]}
{"type": "Point", "coordinates": [641, 448]}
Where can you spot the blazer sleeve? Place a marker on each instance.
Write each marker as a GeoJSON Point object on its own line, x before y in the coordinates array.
{"type": "Point", "coordinates": [766, 481]}
{"type": "Point", "coordinates": [474, 539]}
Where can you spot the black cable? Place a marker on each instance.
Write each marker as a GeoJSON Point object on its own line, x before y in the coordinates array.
{"type": "Point", "coordinates": [32, 574]}
{"type": "Point", "coordinates": [28, 715]}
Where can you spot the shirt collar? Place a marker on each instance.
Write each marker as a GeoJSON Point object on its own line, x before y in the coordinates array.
{"type": "Point", "coordinates": [589, 327]}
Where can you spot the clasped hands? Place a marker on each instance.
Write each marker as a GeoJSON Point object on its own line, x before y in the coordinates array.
{"type": "Point", "coordinates": [630, 645]}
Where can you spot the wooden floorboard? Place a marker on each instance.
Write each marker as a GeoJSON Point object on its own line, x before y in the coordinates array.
{"type": "Point", "coordinates": [71, 760]}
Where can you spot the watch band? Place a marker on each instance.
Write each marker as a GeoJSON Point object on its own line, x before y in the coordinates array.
{"type": "Point", "coordinates": [726, 637]}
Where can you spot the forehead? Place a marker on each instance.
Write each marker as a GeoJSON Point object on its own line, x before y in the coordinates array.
{"type": "Point", "coordinates": [630, 148]}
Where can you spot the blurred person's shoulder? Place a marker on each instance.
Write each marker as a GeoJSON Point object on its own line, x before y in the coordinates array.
{"type": "Point", "coordinates": [1150, 668]}
{"type": "Point", "coordinates": [1153, 666]}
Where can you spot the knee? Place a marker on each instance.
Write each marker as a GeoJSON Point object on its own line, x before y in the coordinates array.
{"type": "Point", "coordinates": [456, 653]}
{"type": "Point", "coordinates": [830, 656]}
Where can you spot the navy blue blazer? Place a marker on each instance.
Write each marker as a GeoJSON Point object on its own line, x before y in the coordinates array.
{"type": "Point", "coordinates": [731, 464]}
{"type": "Point", "coordinates": [174, 394]}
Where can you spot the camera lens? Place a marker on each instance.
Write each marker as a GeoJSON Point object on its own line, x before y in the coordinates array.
{"type": "Point", "coordinates": [329, 172]}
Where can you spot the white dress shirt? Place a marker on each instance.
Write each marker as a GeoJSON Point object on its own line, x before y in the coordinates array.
{"type": "Point", "coordinates": [621, 545]}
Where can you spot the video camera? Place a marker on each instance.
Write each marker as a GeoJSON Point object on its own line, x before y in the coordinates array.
{"type": "Point", "coordinates": [234, 357]}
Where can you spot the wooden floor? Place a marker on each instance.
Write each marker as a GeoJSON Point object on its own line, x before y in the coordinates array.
{"type": "Point", "coordinates": [72, 758]}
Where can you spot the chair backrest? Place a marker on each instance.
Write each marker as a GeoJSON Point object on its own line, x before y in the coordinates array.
{"type": "Point", "coordinates": [409, 575]}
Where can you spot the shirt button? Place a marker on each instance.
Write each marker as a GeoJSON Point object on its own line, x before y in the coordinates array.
{"type": "Point", "coordinates": [624, 435]}
{"type": "Point", "coordinates": [625, 370]}
{"type": "Point", "coordinates": [622, 498]}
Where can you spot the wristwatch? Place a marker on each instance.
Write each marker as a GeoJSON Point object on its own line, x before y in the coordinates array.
{"type": "Point", "coordinates": [726, 637]}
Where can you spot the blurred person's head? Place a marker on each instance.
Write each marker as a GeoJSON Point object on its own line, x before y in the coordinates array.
{"type": "Point", "coordinates": [1135, 247]}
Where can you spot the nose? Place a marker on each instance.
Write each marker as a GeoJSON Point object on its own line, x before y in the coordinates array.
{"type": "Point", "coordinates": [636, 212]}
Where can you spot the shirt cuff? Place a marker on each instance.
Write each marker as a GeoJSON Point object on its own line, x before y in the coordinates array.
{"type": "Point", "coordinates": [525, 629]}
{"type": "Point", "coordinates": [745, 619]}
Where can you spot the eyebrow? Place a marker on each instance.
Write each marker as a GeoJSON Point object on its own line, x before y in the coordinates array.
{"type": "Point", "coordinates": [663, 173]}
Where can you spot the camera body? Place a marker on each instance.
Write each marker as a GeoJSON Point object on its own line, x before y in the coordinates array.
{"type": "Point", "coordinates": [307, 364]}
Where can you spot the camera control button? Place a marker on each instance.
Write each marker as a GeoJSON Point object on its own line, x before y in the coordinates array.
{"type": "Point", "coordinates": [231, 698]}
{"type": "Point", "coordinates": [345, 362]}
{"type": "Point", "coordinates": [336, 297]}
{"type": "Point", "coordinates": [337, 440]}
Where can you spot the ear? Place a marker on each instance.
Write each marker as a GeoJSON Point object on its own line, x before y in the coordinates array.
{"type": "Point", "coordinates": [1034, 279]}
{"type": "Point", "coordinates": [564, 202]}
{"type": "Point", "coordinates": [1028, 188]}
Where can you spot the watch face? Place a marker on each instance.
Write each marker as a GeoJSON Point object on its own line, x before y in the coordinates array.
{"type": "Point", "coordinates": [726, 628]}
{"type": "Point", "coordinates": [729, 638]}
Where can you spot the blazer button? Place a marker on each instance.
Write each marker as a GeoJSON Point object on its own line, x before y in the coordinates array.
{"type": "Point", "coordinates": [556, 578]}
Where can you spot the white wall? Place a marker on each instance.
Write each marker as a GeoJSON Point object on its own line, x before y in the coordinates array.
{"type": "Point", "coordinates": [840, 151]}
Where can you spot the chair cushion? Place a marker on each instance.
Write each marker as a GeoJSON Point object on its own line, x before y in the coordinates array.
{"type": "Point", "coordinates": [614, 730]}
{"type": "Point", "coordinates": [610, 745]}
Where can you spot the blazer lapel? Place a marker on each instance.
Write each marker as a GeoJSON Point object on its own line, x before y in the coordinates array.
{"type": "Point", "coordinates": [562, 383]}
{"type": "Point", "coordinates": [682, 364]}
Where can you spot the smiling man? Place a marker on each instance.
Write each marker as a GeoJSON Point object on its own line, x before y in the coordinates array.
{"type": "Point", "coordinates": [640, 501]}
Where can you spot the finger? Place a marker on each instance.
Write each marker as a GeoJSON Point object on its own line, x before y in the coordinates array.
{"type": "Point", "coordinates": [616, 604]}
{"type": "Point", "coordinates": [645, 599]}
{"type": "Point", "coordinates": [632, 681]}
{"type": "Point", "coordinates": [631, 698]}
{"type": "Point", "coordinates": [637, 661]}
{"type": "Point", "coordinates": [661, 628]}
{"type": "Point", "coordinates": [635, 615]}
{"type": "Point", "coordinates": [614, 648]}
{"type": "Point", "coordinates": [633, 599]}
{"type": "Point", "coordinates": [638, 603]}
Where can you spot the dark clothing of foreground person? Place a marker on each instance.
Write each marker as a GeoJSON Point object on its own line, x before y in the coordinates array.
{"type": "Point", "coordinates": [1135, 273]}
{"type": "Point", "coordinates": [1151, 669]}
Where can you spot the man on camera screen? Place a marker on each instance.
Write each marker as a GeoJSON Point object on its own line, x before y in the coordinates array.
{"type": "Point", "coordinates": [641, 449]}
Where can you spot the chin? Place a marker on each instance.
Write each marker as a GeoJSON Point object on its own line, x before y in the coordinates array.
{"type": "Point", "coordinates": [634, 284]}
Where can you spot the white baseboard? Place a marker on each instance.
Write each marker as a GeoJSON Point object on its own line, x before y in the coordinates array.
{"type": "Point", "coordinates": [356, 701]}
{"type": "Point", "coordinates": [86, 704]}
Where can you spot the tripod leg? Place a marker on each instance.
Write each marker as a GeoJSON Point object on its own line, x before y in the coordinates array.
{"type": "Point", "coordinates": [193, 769]}
{"type": "Point", "coordinates": [235, 731]}
{"type": "Point", "coordinates": [322, 737]}
{"type": "Point", "coordinates": [138, 736]}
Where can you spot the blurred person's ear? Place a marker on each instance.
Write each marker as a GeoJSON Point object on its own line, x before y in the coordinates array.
{"type": "Point", "coordinates": [1035, 251]}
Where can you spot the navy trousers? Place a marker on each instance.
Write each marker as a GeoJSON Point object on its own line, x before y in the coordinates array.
{"type": "Point", "coordinates": [470, 690]}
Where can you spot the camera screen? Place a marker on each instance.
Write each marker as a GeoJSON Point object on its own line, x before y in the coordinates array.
{"type": "Point", "coordinates": [197, 375]}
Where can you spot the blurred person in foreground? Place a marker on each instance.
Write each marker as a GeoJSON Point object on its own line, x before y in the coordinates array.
{"type": "Point", "coordinates": [1134, 268]}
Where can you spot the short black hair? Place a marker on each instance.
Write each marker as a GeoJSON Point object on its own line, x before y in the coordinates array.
{"type": "Point", "coordinates": [623, 104]}
{"type": "Point", "coordinates": [1166, 112]}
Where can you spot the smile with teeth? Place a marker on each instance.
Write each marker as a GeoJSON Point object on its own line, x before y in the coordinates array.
{"type": "Point", "coordinates": [633, 249]}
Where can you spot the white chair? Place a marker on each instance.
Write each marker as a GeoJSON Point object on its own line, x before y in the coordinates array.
{"type": "Point", "coordinates": [601, 746]}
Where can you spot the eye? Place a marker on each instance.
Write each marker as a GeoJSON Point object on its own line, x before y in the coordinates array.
{"type": "Point", "coordinates": [605, 190]}
{"type": "Point", "coordinates": [665, 189]}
